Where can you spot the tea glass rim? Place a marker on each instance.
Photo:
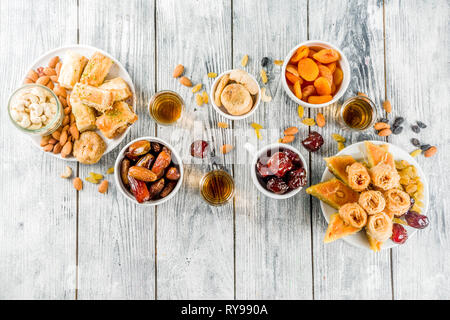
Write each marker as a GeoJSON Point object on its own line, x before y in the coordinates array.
{"type": "Point", "coordinates": [156, 94]}
{"type": "Point", "coordinates": [232, 192]}
{"type": "Point", "coordinates": [371, 104]}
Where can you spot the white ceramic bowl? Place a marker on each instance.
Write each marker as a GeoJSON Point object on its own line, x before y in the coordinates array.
{"type": "Point", "coordinates": [222, 111]}
{"type": "Point", "coordinates": [255, 178]}
{"type": "Point", "coordinates": [345, 66]}
{"type": "Point", "coordinates": [175, 158]}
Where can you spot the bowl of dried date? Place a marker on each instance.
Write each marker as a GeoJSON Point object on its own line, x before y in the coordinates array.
{"type": "Point", "coordinates": [316, 74]}
{"type": "Point", "coordinates": [279, 171]}
{"type": "Point", "coordinates": [148, 171]}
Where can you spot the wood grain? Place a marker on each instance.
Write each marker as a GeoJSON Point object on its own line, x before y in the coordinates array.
{"type": "Point", "coordinates": [417, 85]}
{"type": "Point", "coordinates": [273, 238]}
{"type": "Point", "coordinates": [194, 240]}
{"type": "Point", "coordinates": [356, 27]}
{"type": "Point", "coordinates": [37, 224]}
{"type": "Point", "coordinates": [116, 237]}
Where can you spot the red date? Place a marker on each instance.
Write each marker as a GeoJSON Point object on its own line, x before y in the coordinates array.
{"type": "Point", "coordinates": [139, 189]}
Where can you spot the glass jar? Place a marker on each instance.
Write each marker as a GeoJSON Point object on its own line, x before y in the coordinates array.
{"type": "Point", "coordinates": [358, 113]}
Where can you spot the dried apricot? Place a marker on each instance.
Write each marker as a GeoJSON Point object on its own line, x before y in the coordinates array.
{"type": "Point", "coordinates": [338, 75]}
{"type": "Point", "coordinates": [326, 73]}
{"type": "Point", "coordinates": [323, 86]}
{"type": "Point", "coordinates": [292, 78]}
{"type": "Point", "coordinates": [307, 91]}
{"type": "Point", "coordinates": [326, 56]}
{"type": "Point", "coordinates": [308, 69]}
{"type": "Point", "coordinates": [331, 66]}
{"type": "Point", "coordinates": [301, 53]}
{"type": "Point", "coordinates": [292, 69]}
{"type": "Point", "coordinates": [311, 53]}
{"type": "Point", "coordinates": [319, 99]}
{"type": "Point", "coordinates": [298, 89]}
{"type": "Point", "coordinates": [333, 88]}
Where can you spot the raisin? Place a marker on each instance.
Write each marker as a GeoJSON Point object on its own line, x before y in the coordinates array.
{"type": "Point", "coordinates": [199, 149]}
{"type": "Point", "coordinates": [277, 185]}
{"type": "Point", "coordinates": [294, 157]}
{"type": "Point", "coordinates": [421, 124]}
{"type": "Point", "coordinates": [139, 189]}
{"type": "Point", "coordinates": [363, 137]}
{"type": "Point", "coordinates": [399, 234]}
{"type": "Point", "coordinates": [415, 142]}
{"type": "Point", "coordinates": [416, 220]}
{"type": "Point", "coordinates": [279, 163]}
{"type": "Point", "coordinates": [385, 120]}
{"type": "Point", "coordinates": [397, 130]}
{"type": "Point", "coordinates": [313, 142]}
{"type": "Point", "coordinates": [425, 147]}
{"type": "Point", "coordinates": [156, 147]}
{"type": "Point", "coordinates": [398, 121]}
{"type": "Point", "coordinates": [416, 129]}
{"type": "Point", "coordinates": [297, 178]}
{"type": "Point", "coordinates": [263, 170]}
{"type": "Point", "coordinates": [265, 61]}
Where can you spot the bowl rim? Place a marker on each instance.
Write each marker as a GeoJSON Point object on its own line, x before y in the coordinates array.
{"type": "Point", "coordinates": [226, 115]}
{"type": "Point", "coordinates": [345, 81]}
{"type": "Point", "coordinates": [128, 194]}
{"type": "Point", "coordinates": [256, 181]}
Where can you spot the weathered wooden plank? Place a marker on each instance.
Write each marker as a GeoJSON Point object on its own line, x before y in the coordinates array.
{"type": "Point", "coordinates": [116, 237]}
{"type": "Point", "coordinates": [340, 270]}
{"type": "Point", "coordinates": [273, 238]}
{"type": "Point", "coordinates": [417, 85]}
{"type": "Point", "coordinates": [194, 240]}
{"type": "Point", "coordinates": [38, 215]}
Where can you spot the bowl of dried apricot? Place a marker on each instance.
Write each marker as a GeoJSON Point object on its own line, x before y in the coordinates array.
{"type": "Point", "coordinates": [316, 74]}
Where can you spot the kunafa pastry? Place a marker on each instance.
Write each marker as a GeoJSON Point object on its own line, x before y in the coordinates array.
{"type": "Point", "coordinates": [353, 214]}
{"type": "Point", "coordinates": [384, 176]}
{"type": "Point", "coordinates": [372, 201]}
{"type": "Point", "coordinates": [358, 177]}
{"type": "Point", "coordinates": [397, 201]}
{"type": "Point", "coordinates": [379, 226]}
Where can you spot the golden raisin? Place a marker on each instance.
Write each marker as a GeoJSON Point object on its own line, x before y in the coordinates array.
{"type": "Point", "coordinates": [196, 88]}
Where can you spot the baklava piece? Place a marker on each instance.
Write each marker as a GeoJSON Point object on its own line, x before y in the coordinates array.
{"type": "Point", "coordinates": [96, 70]}
{"type": "Point", "coordinates": [115, 121]}
{"type": "Point", "coordinates": [94, 97]}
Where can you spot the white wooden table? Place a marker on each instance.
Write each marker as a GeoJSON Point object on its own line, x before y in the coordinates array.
{"type": "Point", "coordinates": [56, 243]}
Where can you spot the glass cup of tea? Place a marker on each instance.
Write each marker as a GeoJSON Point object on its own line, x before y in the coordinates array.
{"type": "Point", "coordinates": [357, 113]}
{"type": "Point", "coordinates": [166, 107]}
{"type": "Point", "coordinates": [217, 187]}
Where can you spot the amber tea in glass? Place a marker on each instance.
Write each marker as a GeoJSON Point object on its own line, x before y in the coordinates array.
{"type": "Point", "coordinates": [166, 107]}
{"type": "Point", "coordinates": [217, 187]}
{"type": "Point", "coordinates": [358, 113]}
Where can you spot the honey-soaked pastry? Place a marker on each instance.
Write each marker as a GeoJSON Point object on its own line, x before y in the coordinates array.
{"type": "Point", "coordinates": [71, 69]}
{"type": "Point", "coordinates": [115, 121]}
{"type": "Point", "coordinates": [333, 192]}
{"type": "Point", "coordinates": [397, 201]}
{"type": "Point", "coordinates": [353, 214]}
{"type": "Point", "coordinates": [379, 226]}
{"type": "Point", "coordinates": [358, 177]}
{"type": "Point", "coordinates": [94, 97]}
{"type": "Point", "coordinates": [378, 153]}
{"type": "Point", "coordinates": [96, 69]}
{"type": "Point", "coordinates": [337, 229]}
{"type": "Point", "coordinates": [84, 115]}
{"type": "Point", "coordinates": [372, 201]}
{"type": "Point", "coordinates": [384, 176]}
{"type": "Point", "coordinates": [236, 99]}
{"type": "Point", "coordinates": [89, 148]}
{"type": "Point", "coordinates": [338, 166]}
{"type": "Point", "coordinates": [118, 87]}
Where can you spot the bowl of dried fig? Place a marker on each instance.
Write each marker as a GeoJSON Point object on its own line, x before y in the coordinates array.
{"type": "Point", "coordinates": [148, 171]}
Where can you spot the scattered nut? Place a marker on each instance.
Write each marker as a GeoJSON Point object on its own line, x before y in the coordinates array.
{"type": "Point", "coordinates": [288, 139]}
{"type": "Point", "coordinates": [53, 61]}
{"type": "Point", "coordinates": [57, 148]}
{"type": "Point", "coordinates": [78, 184]}
{"type": "Point", "coordinates": [178, 71]}
{"type": "Point", "coordinates": [48, 148]}
{"type": "Point", "coordinates": [67, 149]}
{"type": "Point", "coordinates": [226, 148]}
{"type": "Point", "coordinates": [185, 82]}
{"type": "Point", "coordinates": [67, 172]}
{"type": "Point", "coordinates": [362, 94]}
{"type": "Point", "coordinates": [430, 152]}
{"type": "Point", "coordinates": [33, 75]}
{"type": "Point", "coordinates": [384, 132]}
{"type": "Point", "coordinates": [103, 187]}
{"type": "Point", "coordinates": [320, 119]}
{"type": "Point", "coordinates": [45, 140]}
{"type": "Point", "coordinates": [381, 126]}
{"type": "Point", "coordinates": [290, 131]}
{"type": "Point", "coordinates": [264, 96]}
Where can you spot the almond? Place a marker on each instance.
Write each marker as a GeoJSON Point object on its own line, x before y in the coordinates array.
{"type": "Point", "coordinates": [33, 75]}
{"type": "Point", "coordinates": [103, 187]}
{"type": "Point", "coordinates": [56, 135]}
{"type": "Point", "coordinates": [381, 126]}
{"type": "Point", "coordinates": [77, 183]}
{"type": "Point", "coordinates": [384, 132]}
{"type": "Point", "coordinates": [63, 101]}
{"type": "Point", "coordinates": [67, 110]}
{"type": "Point", "coordinates": [50, 85]}
{"type": "Point", "coordinates": [74, 132]}
{"type": "Point", "coordinates": [57, 148]}
{"type": "Point", "coordinates": [48, 148]}
{"type": "Point", "coordinates": [142, 174]}
{"type": "Point", "coordinates": [54, 78]}
{"type": "Point", "coordinates": [43, 80]}
{"type": "Point", "coordinates": [320, 119]}
{"type": "Point", "coordinates": [178, 71]}
{"type": "Point", "coordinates": [430, 152]}
{"type": "Point", "coordinates": [66, 119]}
{"type": "Point", "coordinates": [387, 106]}
{"type": "Point", "coordinates": [63, 137]}
{"type": "Point", "coordinates": [45, 140]}
{"type": "Point", "coordinates": [66, 150]}
{"type": "Point", "coordinates": [288, 139]}
{"type": "Point", "coordinates": [52, 140]}
{"type": "Point", "coordinates": [49, 71]}
{"type": "Point", "coordinates": [226, 148]}
{"type": "Point", "coordinates": [58, 67]}
{"type": "Point", "coordinates": [362, 94]}
{"type": "Point", "coordinates": [290, 131]}
{"type": "Point", "coordinates": [60, 91]}
{"type": "Point", "coordinates": [27, 81]}
{"type": "Point", "coordinates": [185, 82]}
{"type": "Point", "coordinates": [53, 61]}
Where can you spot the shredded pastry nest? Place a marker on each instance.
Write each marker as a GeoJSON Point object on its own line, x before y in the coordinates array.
{"type": "Point", "coordinates": [379, 226]}
{"type": "Point", "coordinates": [358, 177]}
{"type": "Point", "coordinates": [372, 201]}
{"type": "Point", "coordinates": [353, 215]}
{"type": "Point", "coordinates": [384, 176]}
{"type": "Point", "coordinates": [397, 201]}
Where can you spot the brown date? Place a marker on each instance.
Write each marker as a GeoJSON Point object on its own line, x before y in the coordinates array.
{"type": "Point", "coordinates": [142, 174]}
{"type": "Point", "coordinates": [168, 189]}
{"type": "Point", "coordinates": [156, 188]}
{"type": "Point", "coordinates": [172, 173]}
{"type": "Point", "coordinates": [146, 161]}
{"type": "Point", "coordinates": [156, 147]}
{"type": "Point", "coordinates": [138, 148]}
{"type": "Point", "coordinates": [124, 167]}
{"type": "Point", "coordinates": [162, 161]}
{"type": "Point", "coordinates": [139, 190]}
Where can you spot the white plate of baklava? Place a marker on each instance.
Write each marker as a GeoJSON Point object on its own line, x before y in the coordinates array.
{"type": "Point", "coordinates": [101, 96]}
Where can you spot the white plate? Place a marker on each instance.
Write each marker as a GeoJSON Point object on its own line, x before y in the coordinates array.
{"type": "Point", "coordinates": [357, 151]}
{"type": "Point", "coordinates": [117, 70]}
